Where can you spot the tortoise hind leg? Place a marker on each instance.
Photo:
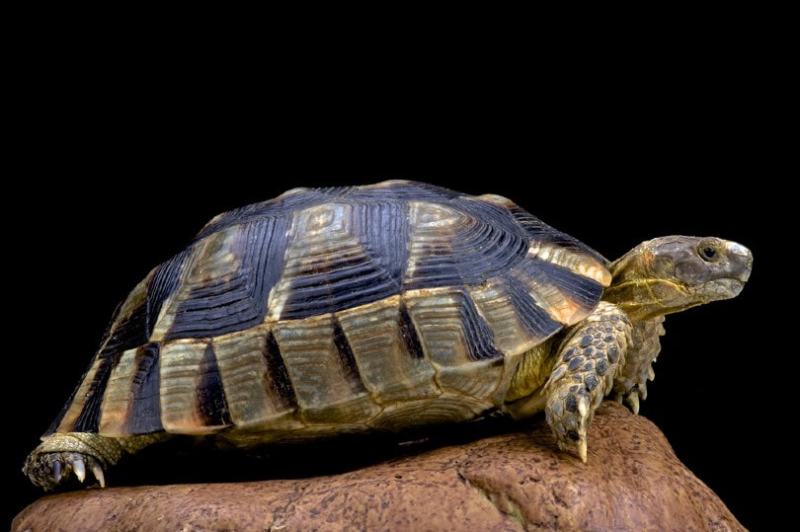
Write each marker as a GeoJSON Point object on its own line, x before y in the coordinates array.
{"type": "Point", "coordinates": [60, 454]}
{"type": "Point", "coordinates": [587, 363]}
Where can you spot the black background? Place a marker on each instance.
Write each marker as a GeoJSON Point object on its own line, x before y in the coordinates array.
{"type": "Point", "coordinates": [115, 163]}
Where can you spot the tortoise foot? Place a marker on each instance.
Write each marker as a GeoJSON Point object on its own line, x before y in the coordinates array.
{"type": "Point", "coordinates": [49, 470]}
{"type": "Point", "coordinates": [60, 456]}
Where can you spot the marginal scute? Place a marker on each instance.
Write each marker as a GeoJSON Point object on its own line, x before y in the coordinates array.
{"type": "Point", "coordinates": [144, 414]}
{"type": "Point", "coordinates": [447, 408]}
{"type": "Point", "coordinates": [326, 389]}
{"type": "Point", "coordinates": [188, 400]}
{"type": "Point", "coordinates": [538, 231]}
{"type": "Point", "coordinates": [211, 401]}
{"type": "Point", "coordinates": [498, 200]}
{"type": "Point", "coordinates": [117, 397]}
{"type": "Point", "coordinates": [570, 259]}
{"type": "Point", "coordinates": [456, 340]}
{"type": "Point", "coordinates": [131, 403]}
{"type": "Point", "coordinates": [254, 399]}
{"type": "Point", "coordinates": [389, 357]}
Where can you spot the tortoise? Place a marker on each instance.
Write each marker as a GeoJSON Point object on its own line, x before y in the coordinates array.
{"type": "Point", "coordinates": [377, 308]}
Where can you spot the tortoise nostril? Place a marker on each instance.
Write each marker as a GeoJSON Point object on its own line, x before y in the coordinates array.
{"type": "Point", "coordinates": [741, 257]}
{"type": "Point", "coordinates": [738, 250]}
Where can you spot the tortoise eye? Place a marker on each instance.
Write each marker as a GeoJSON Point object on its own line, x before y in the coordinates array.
{"type": "Point", "coordinates": [708, 253]}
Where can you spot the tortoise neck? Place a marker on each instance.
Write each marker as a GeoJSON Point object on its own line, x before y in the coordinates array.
{"type": "Point", "coordinates": [639, 293]}
{"type": "Point", "coordinates": [647, 299]}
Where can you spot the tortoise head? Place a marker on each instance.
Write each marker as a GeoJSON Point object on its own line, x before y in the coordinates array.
{"type": "Point", "coordinates": [673, 273]}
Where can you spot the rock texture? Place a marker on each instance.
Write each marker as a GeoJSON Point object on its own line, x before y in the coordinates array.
{"type": "Point", "coordinates": [514, 481]}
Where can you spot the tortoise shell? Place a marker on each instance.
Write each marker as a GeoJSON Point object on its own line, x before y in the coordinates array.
{"type": "Point", "coordinates": [379, 306]}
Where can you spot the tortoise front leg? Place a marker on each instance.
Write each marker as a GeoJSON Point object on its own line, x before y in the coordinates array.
{"type": "Point", "coordinates": [60, 454]}
{"type": "Point", "coordinates": [630, 384]}
{"type": "Point", "coordinates": [584, 373]}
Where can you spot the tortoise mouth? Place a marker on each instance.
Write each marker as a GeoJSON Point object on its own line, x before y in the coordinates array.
{"type": "Point", "coordinates": [726, 288]}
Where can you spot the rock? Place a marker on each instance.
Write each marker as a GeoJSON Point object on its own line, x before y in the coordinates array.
{"type": "Point", "coordinates": [633, 481]}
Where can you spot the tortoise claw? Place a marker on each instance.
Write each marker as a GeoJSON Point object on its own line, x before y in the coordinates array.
{"type": "Point", "coordinates": [632, 400]}
{"type": "Point", "coordinates": [57, 471]}
{"type": "Point", "coordinates": [80, 470]}
{"type": "Point", "coordinates": [97, 471]}
{"type": "Point", "coordinates": [582, 449]}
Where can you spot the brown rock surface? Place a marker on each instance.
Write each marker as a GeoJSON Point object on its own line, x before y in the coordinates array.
{"type": "Point", "coordinates": [514, 481]}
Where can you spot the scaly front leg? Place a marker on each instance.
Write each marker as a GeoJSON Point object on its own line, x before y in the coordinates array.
{"type": "Point", "coordinates": [630, 384]}
{"type": "Point", "coordinates": [588, 360]}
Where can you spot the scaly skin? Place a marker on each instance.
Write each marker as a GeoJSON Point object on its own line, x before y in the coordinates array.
{"type": "Point", "coordinates": [630, 384]}
{"type": "Point", "coordinates": [657, 277]}
{"type": "Point", "coordinates": [51, 463]}
{"type": "Point", "coordinates": [589, 358]}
